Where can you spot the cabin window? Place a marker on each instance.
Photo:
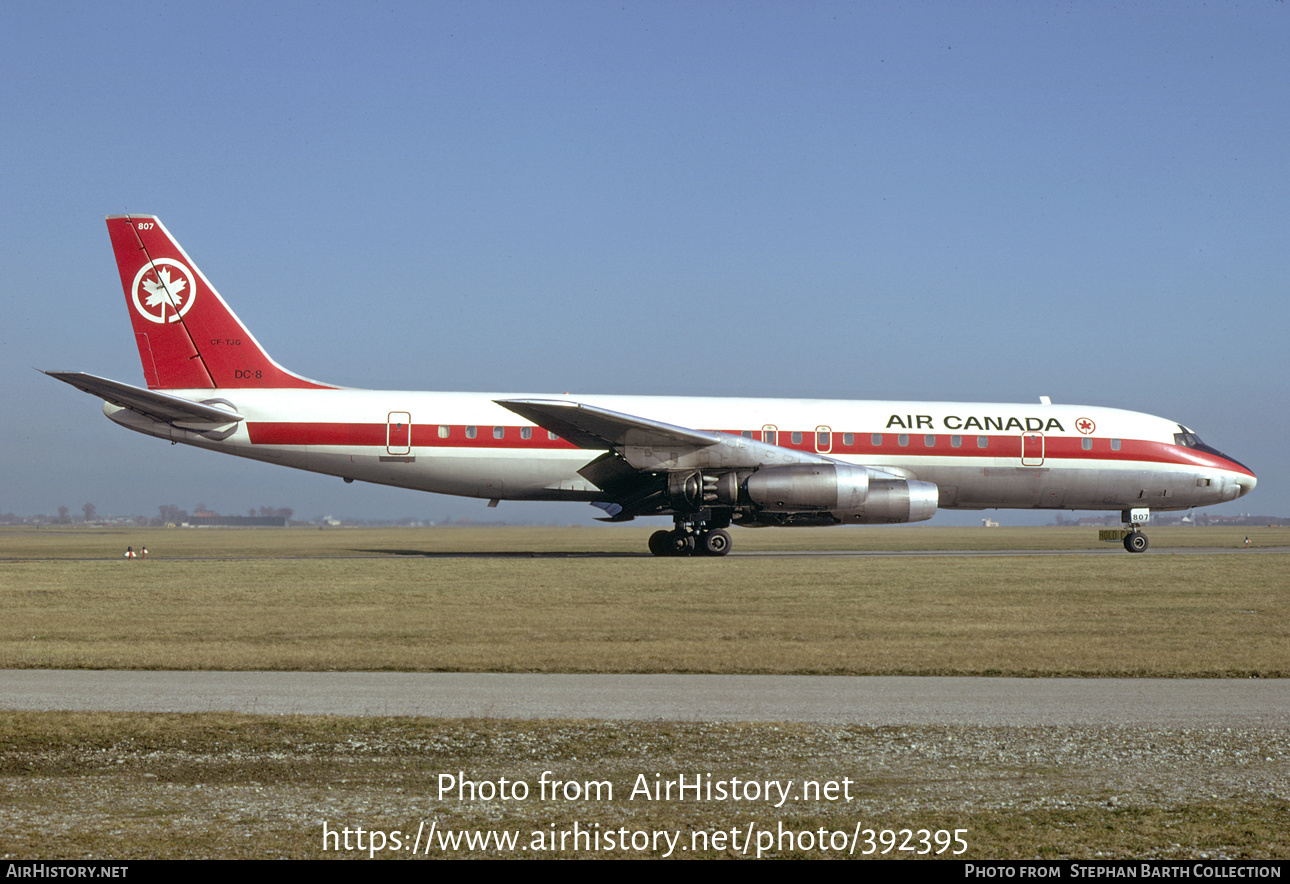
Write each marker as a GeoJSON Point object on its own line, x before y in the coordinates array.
{"type": "Point", "coordinates": [471, 432]}
{"type": "Point", "coordinates": [876, 440]}
{"type": "Point", "coordinates": [499, 432]}
{"type": "Point", "coordinates": [551, 436]}
{"type": "Point", "coordinates": [768, 436]}
{"type": "Point", "coordinates": [956, 441]}
{"type": "Point", "coordinates": [982, 441]}
{"type": "Point", "coordinates": [902, 440]}
{"type": "Point", "coordinates": [1086, 443]}
{"type": "Point", "coordinates": [1115, 444]}
{"type": "Point", "coordinates": [747, 434]}
{"type": "Point", "coordinates": [929, 441]}
{"type": "Point", "coordinates": [443, 431]}
{"type": "Point", "coordinates": [526, 432]}
{"type": "Point", "coordinates": [822, 439]}
{"type": "Point", "coordinates": [848, 438]}
{"type": "Point", "coordinates": [797, 437]}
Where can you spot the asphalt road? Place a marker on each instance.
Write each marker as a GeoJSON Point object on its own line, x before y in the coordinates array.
{"type": "Point", "coordinates": [866, 700]}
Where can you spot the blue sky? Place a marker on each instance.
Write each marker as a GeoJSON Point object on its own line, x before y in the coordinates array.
{"type": "Point", "coordinates": [984, 201]}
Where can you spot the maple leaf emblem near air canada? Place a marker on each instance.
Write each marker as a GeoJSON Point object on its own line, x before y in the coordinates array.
{"type": "Point", "coordinates": [162, 295]}
{"type": "Point", "coordinates": [1085, 426]}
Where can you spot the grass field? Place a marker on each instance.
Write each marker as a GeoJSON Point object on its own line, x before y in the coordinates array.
{"type": "Point", "coordinates": [552, 601]}
{"type": "Point", "coordinates": [231, 786]}
{"type": "Point", "coordinates": [108, 785]}
{"type": "Point", "coordinates": [110, 543]}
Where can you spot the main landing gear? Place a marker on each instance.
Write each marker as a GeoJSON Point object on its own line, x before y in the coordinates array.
{"type": "Point", "coordinates": [690, 538]}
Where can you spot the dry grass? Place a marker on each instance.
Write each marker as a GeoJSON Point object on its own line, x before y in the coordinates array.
{"type": "Point", "coordinates": [187, 786]}
{"type": "Point", "coordinates": [1162, 615]}
{"type": "Point", "coordinates": [162, 543]}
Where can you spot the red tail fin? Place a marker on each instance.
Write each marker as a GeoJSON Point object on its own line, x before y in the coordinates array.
{"type": "Point", "coordinates": [188, 337]}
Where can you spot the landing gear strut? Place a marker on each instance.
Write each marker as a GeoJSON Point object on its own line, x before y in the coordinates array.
{"type": "Point", "coordinates": [1135, 541]}
{"type": "Point", "coordinates": [691, 537]}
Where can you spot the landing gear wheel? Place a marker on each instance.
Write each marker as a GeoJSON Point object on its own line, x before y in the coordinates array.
{"type": "Point", "coordinates": [671, 543]}
{"type": "Point", "coordinates": [1135, 542]}
{"type": "Point", "coordinates": [680, 543]}
{"type": "Point", "coordinates": [660, 543]}
{"type": "Point", "coordinates": [715, 543]}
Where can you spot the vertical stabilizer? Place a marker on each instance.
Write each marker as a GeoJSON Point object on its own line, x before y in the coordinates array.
{"type": "Point", "coordinates": [188, 337]}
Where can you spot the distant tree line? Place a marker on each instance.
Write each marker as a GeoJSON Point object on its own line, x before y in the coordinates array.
{"type": "Point", "coordinates": [167, 514]}
{"type": "Point", "coordinates": [171, 514]}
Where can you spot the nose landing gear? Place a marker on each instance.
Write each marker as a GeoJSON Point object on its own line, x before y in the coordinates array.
{"type": "Point", "coordinates": [1135, 541]}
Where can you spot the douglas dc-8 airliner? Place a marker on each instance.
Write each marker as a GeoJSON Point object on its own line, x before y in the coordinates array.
{"type": "Point", "coordinates": [707, 463]}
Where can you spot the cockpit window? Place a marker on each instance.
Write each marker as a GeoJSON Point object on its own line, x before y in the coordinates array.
{"type": "Point", "coordinates": [1188, 439]}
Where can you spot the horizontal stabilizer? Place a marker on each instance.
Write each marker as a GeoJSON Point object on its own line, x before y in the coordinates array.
{"type": "Point", "coordinates": [149, 403]}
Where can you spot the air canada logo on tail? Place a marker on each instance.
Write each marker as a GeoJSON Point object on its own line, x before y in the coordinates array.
{"type": "Point", "coordinates": [161, 295]}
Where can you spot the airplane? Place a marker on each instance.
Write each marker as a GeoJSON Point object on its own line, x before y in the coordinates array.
{"type": "Point", "coordinates": [708, 463]}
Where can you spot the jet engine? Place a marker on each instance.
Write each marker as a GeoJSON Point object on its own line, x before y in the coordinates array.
{"type": "Point", "coordinates": [807, 494]}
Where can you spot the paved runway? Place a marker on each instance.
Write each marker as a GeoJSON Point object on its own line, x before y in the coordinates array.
{"type": "Point", "coordinates": [866, 700]}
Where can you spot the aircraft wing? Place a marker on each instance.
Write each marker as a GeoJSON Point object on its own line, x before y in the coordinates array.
{"type": "Point", "coordinates": [648, 465]}
{"type": "Point", "coordinates": [149, 403]}
{"type": "Point", "coordinates": [590, 427]}
{"type": "Point", "coordinates": [648, 445]}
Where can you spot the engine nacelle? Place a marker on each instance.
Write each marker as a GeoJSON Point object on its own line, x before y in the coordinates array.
{"type": "Point", "coordinates": [895, 500]}
{"type": "Point", "coordinates": [841, 494]}
{"type": "Point", "coordinates": [808, 488]}
{"type": "Point", "coordinates": [800, 494]}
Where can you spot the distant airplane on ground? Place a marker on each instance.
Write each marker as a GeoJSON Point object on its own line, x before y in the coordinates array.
{"type": "Point", "coordinates": [755, 462]}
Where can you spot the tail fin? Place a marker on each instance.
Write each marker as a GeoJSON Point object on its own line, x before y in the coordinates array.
{"type": "Point", "coordinates": [188, 337]}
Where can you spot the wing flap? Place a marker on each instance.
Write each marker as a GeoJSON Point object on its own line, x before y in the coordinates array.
{"type": "Point", "coordinates": [149, 403]}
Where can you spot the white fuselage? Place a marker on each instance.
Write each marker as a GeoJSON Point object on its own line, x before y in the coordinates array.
{"type": "Point", "coordinates": [979, 455]}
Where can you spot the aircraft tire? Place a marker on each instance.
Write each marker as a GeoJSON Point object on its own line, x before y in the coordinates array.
{"type": "Point", "coordinates": [660, 543]}
{"type": "Point", "coordinates": [680, 543]}
{"type": "Point", "coordinates": [715, 543]}
{"type": "Point", "coordinates": [1135, 542]}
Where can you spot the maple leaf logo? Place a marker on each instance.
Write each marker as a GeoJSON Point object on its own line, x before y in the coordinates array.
{"type": "Point", "coordinates": [164, 291]}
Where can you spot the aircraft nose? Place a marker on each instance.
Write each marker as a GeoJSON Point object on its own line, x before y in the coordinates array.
{"type": "Point", "coordinates": [1235, 485]}
{"type": "Point", "coordinates": [1246, 484]}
